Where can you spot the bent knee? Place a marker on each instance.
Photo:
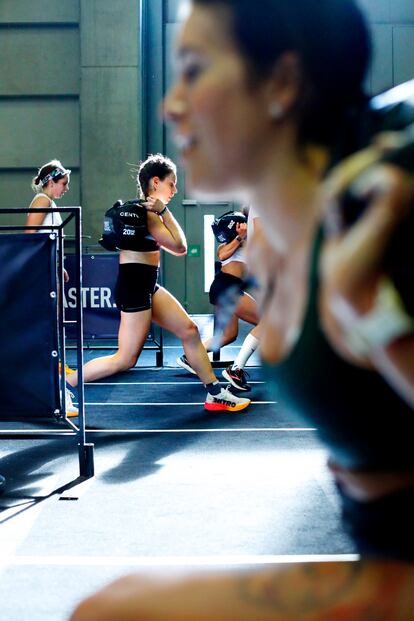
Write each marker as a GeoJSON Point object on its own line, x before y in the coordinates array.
{"type": "Point", "coordinates": [189, 332]}
{"type": "Point", "coordinates": [125, 362]}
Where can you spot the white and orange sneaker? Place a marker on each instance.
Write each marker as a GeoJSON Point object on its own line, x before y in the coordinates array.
{"type": "Point", "coordinates": [225, 401]}
{"type": "Point", "coordinates": [71, 410]}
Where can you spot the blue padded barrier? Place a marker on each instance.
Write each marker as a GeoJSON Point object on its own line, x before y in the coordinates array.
{"type": "Point", "coordinates": [29, 372]}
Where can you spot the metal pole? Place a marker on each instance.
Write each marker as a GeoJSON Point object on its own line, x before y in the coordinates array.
{"type": "Point", "coordinates": [86, 463]}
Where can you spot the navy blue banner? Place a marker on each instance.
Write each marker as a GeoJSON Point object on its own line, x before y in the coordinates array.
{"type": "Point", "coordinates": [29, 375]}
{"type": "Point", "coordinates": [100, 315]}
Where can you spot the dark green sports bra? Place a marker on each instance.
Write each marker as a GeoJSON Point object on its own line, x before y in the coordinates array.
{"type": "Point", "coordinates": [358, 416]}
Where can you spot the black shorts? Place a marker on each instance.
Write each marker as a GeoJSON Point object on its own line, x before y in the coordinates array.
{"type": "Point", "coordinates": [135, 286]}
{"type": "Point", "coordinates": [223, 281]}
{"type": "Point", "coordinates": [381, 528]}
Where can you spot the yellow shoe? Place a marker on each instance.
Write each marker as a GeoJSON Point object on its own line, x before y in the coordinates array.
{"type": "Point", "coordinates": [68, 370]}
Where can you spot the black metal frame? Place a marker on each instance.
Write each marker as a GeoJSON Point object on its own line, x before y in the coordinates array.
{"type": "Point", "coordinates": [86, 461]}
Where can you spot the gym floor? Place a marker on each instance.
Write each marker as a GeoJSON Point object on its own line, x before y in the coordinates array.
{"type": "Point", "coordinates": [174, 487]}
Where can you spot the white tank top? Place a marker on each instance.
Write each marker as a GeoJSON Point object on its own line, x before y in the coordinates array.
{"type": "Point", "coordinates": [238, 255]}
{"type": "Point", "coordinates": [50, 219]}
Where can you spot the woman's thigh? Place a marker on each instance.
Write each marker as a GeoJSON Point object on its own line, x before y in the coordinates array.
{"type": "Point", "coordinates": [168, 313]}
{"type": "Point", "coordinates": [247, 309]}
{"type": "Point", "coordinates": [133, 331]}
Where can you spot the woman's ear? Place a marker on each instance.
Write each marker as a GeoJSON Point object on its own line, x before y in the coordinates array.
{"type": "Point", "coordinates": [284, 85]}
{"type": "Point", "coordinates": [154, 182]}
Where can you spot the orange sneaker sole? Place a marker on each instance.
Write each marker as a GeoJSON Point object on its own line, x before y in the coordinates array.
{"type": "Point", "coordinates": [219, 407]}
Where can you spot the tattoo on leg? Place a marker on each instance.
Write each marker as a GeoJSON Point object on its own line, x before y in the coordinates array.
{"type": "Point", "coordinates": [356, 591]}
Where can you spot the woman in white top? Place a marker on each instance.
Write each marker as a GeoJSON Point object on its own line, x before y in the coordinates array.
{"type": "Point", "coordinates": [232, 273]}
{"type": "Point", "coordinates": [50, 184]}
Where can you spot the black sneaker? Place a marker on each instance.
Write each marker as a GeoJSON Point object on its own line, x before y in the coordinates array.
{"type": "Point", "coordinates": [183, 362]}
{"type": "Point", "coordinates": [237, 378]}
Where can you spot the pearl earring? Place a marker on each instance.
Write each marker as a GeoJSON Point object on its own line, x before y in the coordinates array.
{"type": "Point", "coordinates": [276, 111]}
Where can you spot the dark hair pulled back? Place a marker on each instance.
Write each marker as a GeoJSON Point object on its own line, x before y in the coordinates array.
{"type": "Point", "coordinates": [157, 165]}
{"type": "Point", "coordinates": [45, 170]}
{"type": "Point", "coordinates": [332, 41]}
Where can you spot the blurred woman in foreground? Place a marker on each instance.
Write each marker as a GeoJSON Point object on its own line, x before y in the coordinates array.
{"type": "Point", "coordinates": [269, 97]}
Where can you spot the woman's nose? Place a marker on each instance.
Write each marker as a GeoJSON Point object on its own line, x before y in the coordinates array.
{"type": "Point", "coordinates": [174, 105]}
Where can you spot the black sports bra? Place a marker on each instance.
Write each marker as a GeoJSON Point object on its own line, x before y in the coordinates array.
{"type": "Point", "coordinates": [358, 416]}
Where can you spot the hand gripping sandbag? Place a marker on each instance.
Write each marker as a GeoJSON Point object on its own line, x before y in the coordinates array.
{"type": "Point", "coordinates": [224, 227]}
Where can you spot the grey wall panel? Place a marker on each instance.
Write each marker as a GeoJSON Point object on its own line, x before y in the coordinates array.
{"type": "Point", "coordinates": [175, 272]}
{"type": "Point", "coordinates": [402, 11]}
{"type": "Point", "coordinates": [51, 61]}
{"type": "Point", "coordinates": [376, 10]}
{"type": "Point", "coordinates": [155, 74]}
{"type": "Point", "coordinates": [109, 33]}
{"type": "Point", "coordinates": [110, 105]}
{"type": "Point", "coordinates": [382, 66]}
{"type": "Point", "coordinates": [39, 104]}
{"type": "Point", "coordinates": [110, 140]}
{"type": "Point", "coordinates": [403, 53]}
{"type": "Point", "coordinates": [35, 131]}
{"type": "Point", "coordinates": [39, 11]}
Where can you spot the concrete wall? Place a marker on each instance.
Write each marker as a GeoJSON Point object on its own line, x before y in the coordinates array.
{"type": "Point", "coordinates": [70, 89]}
{"type": "Point", "coordinates": [39, 94]}
{"type": "Point", "coordinates": [393, 38]}
{"type": "Point", "coordinates": [110, 105]}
